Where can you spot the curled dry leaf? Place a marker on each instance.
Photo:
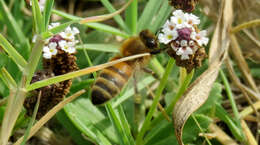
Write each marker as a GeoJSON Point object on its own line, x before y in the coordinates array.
{"type": "Point", "coordinates": [198, 92]}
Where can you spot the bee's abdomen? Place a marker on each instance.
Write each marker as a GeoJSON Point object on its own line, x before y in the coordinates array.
{"type": "Point", "coordinates": [110, 82]}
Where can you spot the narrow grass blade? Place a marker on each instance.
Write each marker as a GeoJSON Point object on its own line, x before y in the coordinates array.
{"type": "Point", "coordinates": [223, 115]}
{"type": "Point", "coordinates": [107, 28]}
{"type": "Point", "coordinates": [47, 13]}
{"type": "Point", "coordinates": [148, 13]}
{"type": "Point", "coordinates": [233, 104]}
{"type": "Point", "coordinates": [125, 124]}
{"type": "Point", "coordinates": [37, 16]}
{"type": "Point", "coordinates": [85, 71]}
{"type": "Point", "coordinates": [131, 16]}
{"type": "Point", "coordinates": [161, 17]}
{"type": "Point", "coordinates": [26, 134]}
{"type": "Point", "coordinates": [7, 78]}
{"type": "Point", "coordinates": [117, 124]}
{"type": "Point", "coordinates": [100, 47]}
{"type": "Point", "coordinates": [146, 124]}
{"type": "Point", "coordinates": [97, 26]}
{"type": "Point", "coordinates": [17, 32]}
{"type": "Point", "coordinates": [15, 56]}
{"type": "Point", "coordinates": [106, 16]}
{"type": "Point", "coordinates": [117, 18]}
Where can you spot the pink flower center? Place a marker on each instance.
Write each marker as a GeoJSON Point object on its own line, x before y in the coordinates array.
{"type": "Point", "coordinates": [184, 34]}
{"type": "Point", "coordinates": [56, 38]}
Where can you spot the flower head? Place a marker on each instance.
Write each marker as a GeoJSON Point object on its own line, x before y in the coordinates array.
{"type": "Point", "coordinates": [182, 34]}
{"type": "Point", "coordinates": [60, 43]}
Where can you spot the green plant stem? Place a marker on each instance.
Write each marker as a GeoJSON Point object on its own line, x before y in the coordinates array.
{"type": "Point", "coordinates": [201, 130]}
{"type": "Point", "coordinates": [230, 95]}
{"type": "Point", "coordinates": [34, 60]}
{"type": "Point", "coordinates": [180, 92]}
{"type": "Point", "coordinates": [232, 102]}
{"type": "Point", "coordinates": [163, 82]}
{"type": "Point", "coordinates": [156, 66]}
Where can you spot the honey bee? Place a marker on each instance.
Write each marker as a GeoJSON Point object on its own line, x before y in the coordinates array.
{"type": "Point", "coordinates": [111, 80]}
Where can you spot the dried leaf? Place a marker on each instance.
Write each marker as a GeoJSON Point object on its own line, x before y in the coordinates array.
{"type": "Point", "coordinates": [198, 92]}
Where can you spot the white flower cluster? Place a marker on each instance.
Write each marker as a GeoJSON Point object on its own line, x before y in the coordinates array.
{"type": "Point", "coordinates": [41, 4]}
{"type": "Point", "coordinates": [182, 34]}
{"type": "Point", "coordinates": [63, 41]}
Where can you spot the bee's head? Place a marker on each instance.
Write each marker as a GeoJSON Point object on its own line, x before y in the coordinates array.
{"type": "Point", "coordinates": [150, 40]}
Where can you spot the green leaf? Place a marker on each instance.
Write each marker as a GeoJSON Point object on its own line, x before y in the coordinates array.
{"type": "Point", "coordinates": [15, 56]}
{"type": "Point", "coordinates": [148, 13]}
{"type": "Point", "coordinates": [131, 15]}
{"type": "Point", "coordinates": [72, 130]}
{"type": "Point", "coordinates": [117, 18]}
{"type": "Point", "coordinates": [37, 16]}
{"type": "Point", "coordinates": [100, 47]}
{"type": "Point", "coordinates": [117, 124]}
{"type": "Point", "coordinates": [163, 133]}
{"type": "Point", "coordinates": [90, 121]}
{"type": "Point", "coordinates": [4, 60]}
{"type": "Point", "coordinates": [47, 13]}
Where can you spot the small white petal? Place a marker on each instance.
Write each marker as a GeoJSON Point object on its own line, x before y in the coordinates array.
{"type": "Point", "coordinates": [54, 51]}
{"type": "Point", "coordinates": [46, 49]}
{"type": "Point", "coordinates": [62, 43]}
{"type": "Point", "coordinates": [71, 50]}
{"type": "Point", "coordinates": [75, 30]}
{"type": "Point", "coordinates": [47, 55]}
{"type": "Point", "coordinates": [184, 57]}
{"type": "Point", "coordinates": [53, 45]}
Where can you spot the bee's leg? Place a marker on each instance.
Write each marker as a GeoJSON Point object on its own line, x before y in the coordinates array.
{"type": "Point", "coordinates": [149, 71]}
{"type": "Point", "coordinates": [139, 110]}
